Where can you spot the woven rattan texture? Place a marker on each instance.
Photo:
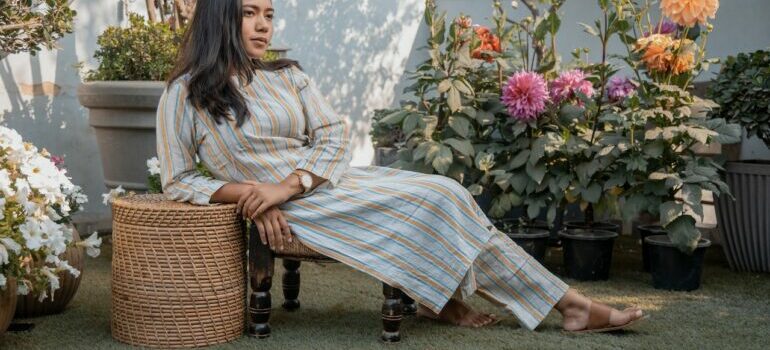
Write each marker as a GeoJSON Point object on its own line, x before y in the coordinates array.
{"type": "Point", "coordinates": [155, 211]}
{"type": "Point", "coordinates": [177, 273]}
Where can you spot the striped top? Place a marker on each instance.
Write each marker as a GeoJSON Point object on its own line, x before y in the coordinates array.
{"type": "Point", "coordinates": [414, 231]}
{"type": "Point", "coordinates": [292, 127]}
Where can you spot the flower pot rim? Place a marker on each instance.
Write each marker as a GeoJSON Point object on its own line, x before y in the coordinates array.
{"type": "Point", "coordinates": [588, 234]}
{"type": "Point", "coordinates": [580, 222]}
{"type": "Point", "coordinates": [652, 227]}
{"type": "Point", "coordinates": [665, 241]}
{"type": "Point", "coordinates": [753, 167]}
{"type": "Point", "coordinates": [528, 232]}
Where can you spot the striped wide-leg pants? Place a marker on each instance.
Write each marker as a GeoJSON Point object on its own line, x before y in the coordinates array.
{"type": "Point", "coordinates": [507, 276]}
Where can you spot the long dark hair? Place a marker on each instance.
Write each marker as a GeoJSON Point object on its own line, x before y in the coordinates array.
{"type": "Point", "coordinates": [212, 52]}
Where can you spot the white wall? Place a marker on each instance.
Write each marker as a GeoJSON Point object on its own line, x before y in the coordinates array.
{"type": "Point", "coordinates": [356, 50]}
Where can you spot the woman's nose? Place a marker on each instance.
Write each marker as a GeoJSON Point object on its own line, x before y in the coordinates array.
{"type": "Point", "coordinates": [261, 24]}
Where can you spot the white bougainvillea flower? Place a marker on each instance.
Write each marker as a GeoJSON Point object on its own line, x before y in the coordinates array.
{"type": "Point", "coordinates": [11, 139]}
{"type": "Point", "coordinates": [114, 193]}
{"type": "Point", "coordinates": [2, 281]}
{"type": "Point", "coordinates": [62, 264]}
{"type": "Point", "coordinates": [11, 244]}
{"type": "Point", "coordinates": [33, 234]}
{"type": "Point", "coordinates": [153, 166]}
{"type": "Point", "coordinates": [92, 244]}
{"type": "Point", "coordinates": [3, 255]}
{"type": "Point", "coordinates": [22, 288]}
{"type": "Point", "coordinates": [5, 183]}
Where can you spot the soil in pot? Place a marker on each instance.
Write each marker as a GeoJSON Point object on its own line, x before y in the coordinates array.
{"type": "Point", "coordinates": [671, 268]}
{"type": "Point", "coordinates": [588, 253]}
{"type": "Point", "coordinates": [644, 232]}
{"type": "Point", "coordinates": [596, 225]}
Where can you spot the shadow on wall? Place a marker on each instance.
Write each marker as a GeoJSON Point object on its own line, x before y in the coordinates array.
{"type": "Point", "coordinates": [40, 102]}
{"type": "Point", "coordinates": [355, 50]}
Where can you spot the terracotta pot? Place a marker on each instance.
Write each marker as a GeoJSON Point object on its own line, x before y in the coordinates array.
{"type": "Point", "coordinates": [29, 306]}
{"type": "Point", "coordinates": [7, 304]}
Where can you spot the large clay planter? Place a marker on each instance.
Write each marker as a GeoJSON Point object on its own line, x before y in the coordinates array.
{"type": "Point", "coordinates": [29, 306]}
{"type": "Point", "coordinates": [123, 115]}
{"type": "Point", "coordinates": [7, 304]}
{"type": "Point", "coordinates": [745, 223]}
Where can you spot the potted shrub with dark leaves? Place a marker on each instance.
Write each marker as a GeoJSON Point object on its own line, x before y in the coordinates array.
{"type": "Point", "coordinates": [742, 89]}
{"type": "Point", "coordinates": [673, 269]}
{"type": "Point", "coordinates": [386, 138]}
{"type": "Point", "coordinates": [533, 238]}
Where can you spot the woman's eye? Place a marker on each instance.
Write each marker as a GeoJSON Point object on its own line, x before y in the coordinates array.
{"type": "Point", "coordinates": [270, 17]}
{"type": "Point", "coordinates": [248, 13]}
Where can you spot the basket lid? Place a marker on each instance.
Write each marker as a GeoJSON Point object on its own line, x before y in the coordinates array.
{"type": "Point", "coordinates": [158, 211]}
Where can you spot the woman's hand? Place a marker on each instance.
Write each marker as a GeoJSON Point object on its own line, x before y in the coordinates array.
{"type": "Point", "coordinates": [273, 228]}
{"type": "Point", "coordinates": [258, 197]}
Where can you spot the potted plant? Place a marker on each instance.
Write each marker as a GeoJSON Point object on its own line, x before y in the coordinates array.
{"type": "Point", "coordinates": [659, 126]}
{"type": "Point", "coordinates": [36, 204]}
{"type": "Point", "coordinates": [386, 138]}
{"type": "Point", "coordinates": [742, 90]}
{"type": "Point", "coordinates": [122, 95]}
{"type": "Point", "coordinates": [453, 125]}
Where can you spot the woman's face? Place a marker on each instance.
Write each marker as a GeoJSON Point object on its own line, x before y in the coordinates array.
{"type": "Point", "coordinates": [257, 27]}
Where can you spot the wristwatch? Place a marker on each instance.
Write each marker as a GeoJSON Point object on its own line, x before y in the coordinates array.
{"type": "Point", "coordinates": [305, 180]}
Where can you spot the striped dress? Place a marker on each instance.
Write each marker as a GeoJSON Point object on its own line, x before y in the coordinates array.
{"type": "Point", "coordinates": [417, 232]}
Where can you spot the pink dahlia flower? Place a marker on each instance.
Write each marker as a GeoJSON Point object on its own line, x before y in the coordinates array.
{"type": "Point", "coordinates": [568, 84]}
{"type": "Point", "coordinates": [619, 88]}
{"type": "Point", "coordinates": [525, 94]}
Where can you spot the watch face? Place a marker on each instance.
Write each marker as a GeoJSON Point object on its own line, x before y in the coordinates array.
{"type": "Point", "coordinates": [307, 181]}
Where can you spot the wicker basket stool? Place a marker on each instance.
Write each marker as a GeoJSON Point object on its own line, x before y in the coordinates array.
{"type": "Point", "coordinates": [261, 264]}
{"type": "Point", "coordinates": [177, 273]}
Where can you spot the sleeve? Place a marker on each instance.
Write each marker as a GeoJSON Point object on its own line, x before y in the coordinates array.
{"type": "Point", "coordinates": [329, 133]}
{"type": "Point", "coordinates": [177, 147]}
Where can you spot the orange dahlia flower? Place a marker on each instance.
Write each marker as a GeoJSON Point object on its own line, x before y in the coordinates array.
{"type": "Point", "coordinates": [489, 42]}
{"type": "Point", "coordinates": [689, 12]}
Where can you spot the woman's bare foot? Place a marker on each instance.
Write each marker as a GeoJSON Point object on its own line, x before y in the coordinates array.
{"type": "Point", "coordinates": [458, 313]}
{"type": "Point", "coordinates": [575, 308]}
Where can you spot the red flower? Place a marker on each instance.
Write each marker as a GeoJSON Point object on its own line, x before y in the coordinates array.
{"type": "Point", "coordinates": [489, 42]}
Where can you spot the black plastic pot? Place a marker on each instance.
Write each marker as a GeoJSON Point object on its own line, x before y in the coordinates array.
{"type": "Point", "coordinates": [644, 232]}
{"type": "Point", "coordinates": [596, 225]}
{"type": "Point", "coordinates": [533, 240]}
{"type": "Point", "coordinates": [588, 253]}
{"type": "Point", "coordinates": [671, 268]}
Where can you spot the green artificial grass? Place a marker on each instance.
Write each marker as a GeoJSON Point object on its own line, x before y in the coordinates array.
{"type": "Point", "coordinates": [341, 310]}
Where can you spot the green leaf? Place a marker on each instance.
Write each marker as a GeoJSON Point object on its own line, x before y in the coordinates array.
{"type": "Point", "coordinates": [444, 86]}
{"type": "Point", "coordinates": [536, 172]}
{"type": "Point", "coordinates": [463, 146]}
{"type": "Point", "coordinates": [463, 87]}
{"type": "Point", "coordinates": [592, 193]}
{"type": "Point", "coordinates": [683, 233]}
{"type": "Point", "coordinates": [475, 189]}
{"type": "Point", "coordinates": [519, 159]}
{"type": "Point", "coordinates": [669, 211]}
{"type": "Point", "coordinates": [443, 159]}
{"type": "Point", "coordinates": [454, 100]}
{"type": "Point", "coordinates": [394, 118]}
{"type": "Point", "coordinates": [460, 125]}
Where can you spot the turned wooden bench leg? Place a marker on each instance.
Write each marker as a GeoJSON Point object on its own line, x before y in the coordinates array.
{"type": "Point", "coordinates": [261, 265]}
{"type": "Point", "coordinates": [410, 307]}
{"type": "Point", "coordinates": [392, 314]}
{"type": "Point", "coordinates": [291, 284]}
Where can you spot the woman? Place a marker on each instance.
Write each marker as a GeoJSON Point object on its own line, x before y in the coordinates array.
{"type": "Point", "coordinates": [278, 150]}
